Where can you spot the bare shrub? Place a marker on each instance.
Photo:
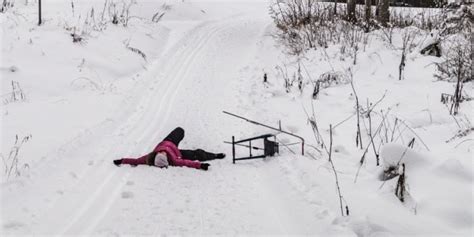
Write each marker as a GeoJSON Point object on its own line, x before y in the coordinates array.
{"type": "Point", "coordinates": [333, 78]}
{"type": "Point", "coordinates": [159, 14]}
{"type": "Point", "coordinates": [456, 68]}
{"type": "Point", "coordinates": [352, 36]}
{"type": "Point", "coordinates": [303, 25]}
{"type": "Point", "coordinates": [16, 95]}
{"type": "Point", "coordinates": [120, 12]}
{"type": "Point", "coordinates": [457, 20]}
{"type": "Point", "coordinates": [97, 21]}
{"type": "Point", "coordinates": [6, 4]}
{"type": "Point", "coordinates": [408, 36]}
{"type": "Point", "coordinates": [387, 32]}
{"type": "Point", "coordinates": [12, 162]}
{"type": "Point", "coordinates": [288, 82]}
{"type": "Point", "coordinates": [328, 79]}
{"type": "Point", "coordinates": [425, 19]}
{"type": "Point", "coordinates": [81, 30]}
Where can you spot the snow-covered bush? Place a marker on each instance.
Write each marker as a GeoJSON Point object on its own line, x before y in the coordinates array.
{"type": "Point", "coordinates": [425, 18]}
{"type": "Point", "coordinates": [457, 32]}
{"type": "Point", "coordinates": [458, 60]}
{"type": "Point", "coordinates": [456, 67]}
{"type": "Point", "coordinates": [398, 160]}
{"type": "Point", "coordinates": [304, 24]}
{"type": "Point", "coordinates": [457, 52]}
{"type": "Point", "coordinates": [458, 20]}
{"type": "Point", "coordinates": [408, 36]}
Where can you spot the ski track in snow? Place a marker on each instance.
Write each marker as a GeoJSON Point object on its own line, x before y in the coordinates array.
{"type": "Point", "coordinates": [96, 195]}
{"type": "Point", "coordinates": [159, 103]}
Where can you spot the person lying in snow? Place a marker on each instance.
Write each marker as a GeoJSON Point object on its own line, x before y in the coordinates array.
{"type": "Point", "coordinates": [167, 153]}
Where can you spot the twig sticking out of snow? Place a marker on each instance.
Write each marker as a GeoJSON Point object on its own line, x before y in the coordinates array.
{"type": "Point", "coordinates": [367, 147]}
{"type": "Point", "coordinates": [314, 126]}
{"type": "Point", "coordinates": [320, 141]}
{"type": "Point", "coordinates": [401, 188]}
{"type": "Point", "coordinates": [461, 133]}
{"type": "Point", "coordinates": [409, 128]}
{"type": "Point", "coordinates": [467, 140]}
{"type": "Point", "coordinates": [137, 51]}
{"type": "Point", "coordinates": [372, 139]}
{"type": "Point", "coordinates": [335, 174]}
{"type": "Point", "coordinates": [407, 42]}
{"type": "Point", "coordinates": [359, 134]}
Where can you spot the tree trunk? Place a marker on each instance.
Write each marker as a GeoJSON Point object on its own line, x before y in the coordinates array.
{"type": "Point", "coordinates": [351, 10]}
{"type": "Point", "coordinates": [383, 14]}
{"type": "Point", "coordinates": [368, 10]}
{"type": "Point", "coordinates": [39, 13]}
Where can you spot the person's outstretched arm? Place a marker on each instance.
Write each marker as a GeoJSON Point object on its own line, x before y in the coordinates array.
{"type": "Point", "coordinates": [136, 161]}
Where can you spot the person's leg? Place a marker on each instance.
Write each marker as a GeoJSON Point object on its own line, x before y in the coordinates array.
{"type": "Point", "coordinates": [200, 155]}
{"type": "Point", "coordinates": [175, 136]}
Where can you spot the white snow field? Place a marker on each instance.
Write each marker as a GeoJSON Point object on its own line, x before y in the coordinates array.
{"type": "Point", "coordinates": [88, 103]}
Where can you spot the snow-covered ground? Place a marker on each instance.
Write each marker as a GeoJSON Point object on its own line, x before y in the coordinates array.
{"type": "Point", "coordinates": [90, 102]}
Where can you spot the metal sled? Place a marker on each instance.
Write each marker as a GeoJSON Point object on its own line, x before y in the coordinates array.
{"type": "Point", "coordinates": [269, 147]}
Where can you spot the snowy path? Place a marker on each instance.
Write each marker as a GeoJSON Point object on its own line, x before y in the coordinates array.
{"type": "Point", "coordinates": [190, 85]}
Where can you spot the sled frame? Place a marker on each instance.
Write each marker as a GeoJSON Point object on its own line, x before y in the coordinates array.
{"type": "Point", "coordinates": [269, 147]}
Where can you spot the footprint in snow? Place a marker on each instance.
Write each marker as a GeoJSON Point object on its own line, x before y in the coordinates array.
{"type": "Point", "coordinates": [340, 149]}
{"type": "Point", "coordinates": [323, 214]}
{"type": "Point", "coordinates": [13, 225]}
{"type": "Point", "coordinates": [74, 175]}
{"type": "Point", "coordinates": [130, 183]}
{"type": "Point", "coordinates": [127, 195]}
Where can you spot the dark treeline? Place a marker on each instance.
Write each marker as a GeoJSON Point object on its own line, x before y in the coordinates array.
{"type": "Point", "coordinates": [405, 3]}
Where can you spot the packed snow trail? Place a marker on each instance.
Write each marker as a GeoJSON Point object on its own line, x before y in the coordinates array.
{"type": "Point", "coordinates": [195, 79]}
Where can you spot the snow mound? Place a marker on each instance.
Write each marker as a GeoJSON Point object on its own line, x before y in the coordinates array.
{"type": "Point", "coordinates": [394, 154]}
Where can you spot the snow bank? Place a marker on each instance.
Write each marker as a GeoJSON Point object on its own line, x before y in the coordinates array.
{"type": "Point", "coordinates": [393, 154]}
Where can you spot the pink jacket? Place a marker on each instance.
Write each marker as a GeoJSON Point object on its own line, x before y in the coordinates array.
{"type": "Point", "coordinates": [172, 152]}
{"type": "Point", "coordinates": [174, 155]}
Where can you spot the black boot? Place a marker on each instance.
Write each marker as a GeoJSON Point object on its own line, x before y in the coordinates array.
{"type": "Point", "coordinates": [220, 156]}
{"type": "Point", "coordinates": [118, 162]}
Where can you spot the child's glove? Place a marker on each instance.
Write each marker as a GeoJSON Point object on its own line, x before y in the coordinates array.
{"type": "Point", "coordinates": [205, 166]}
